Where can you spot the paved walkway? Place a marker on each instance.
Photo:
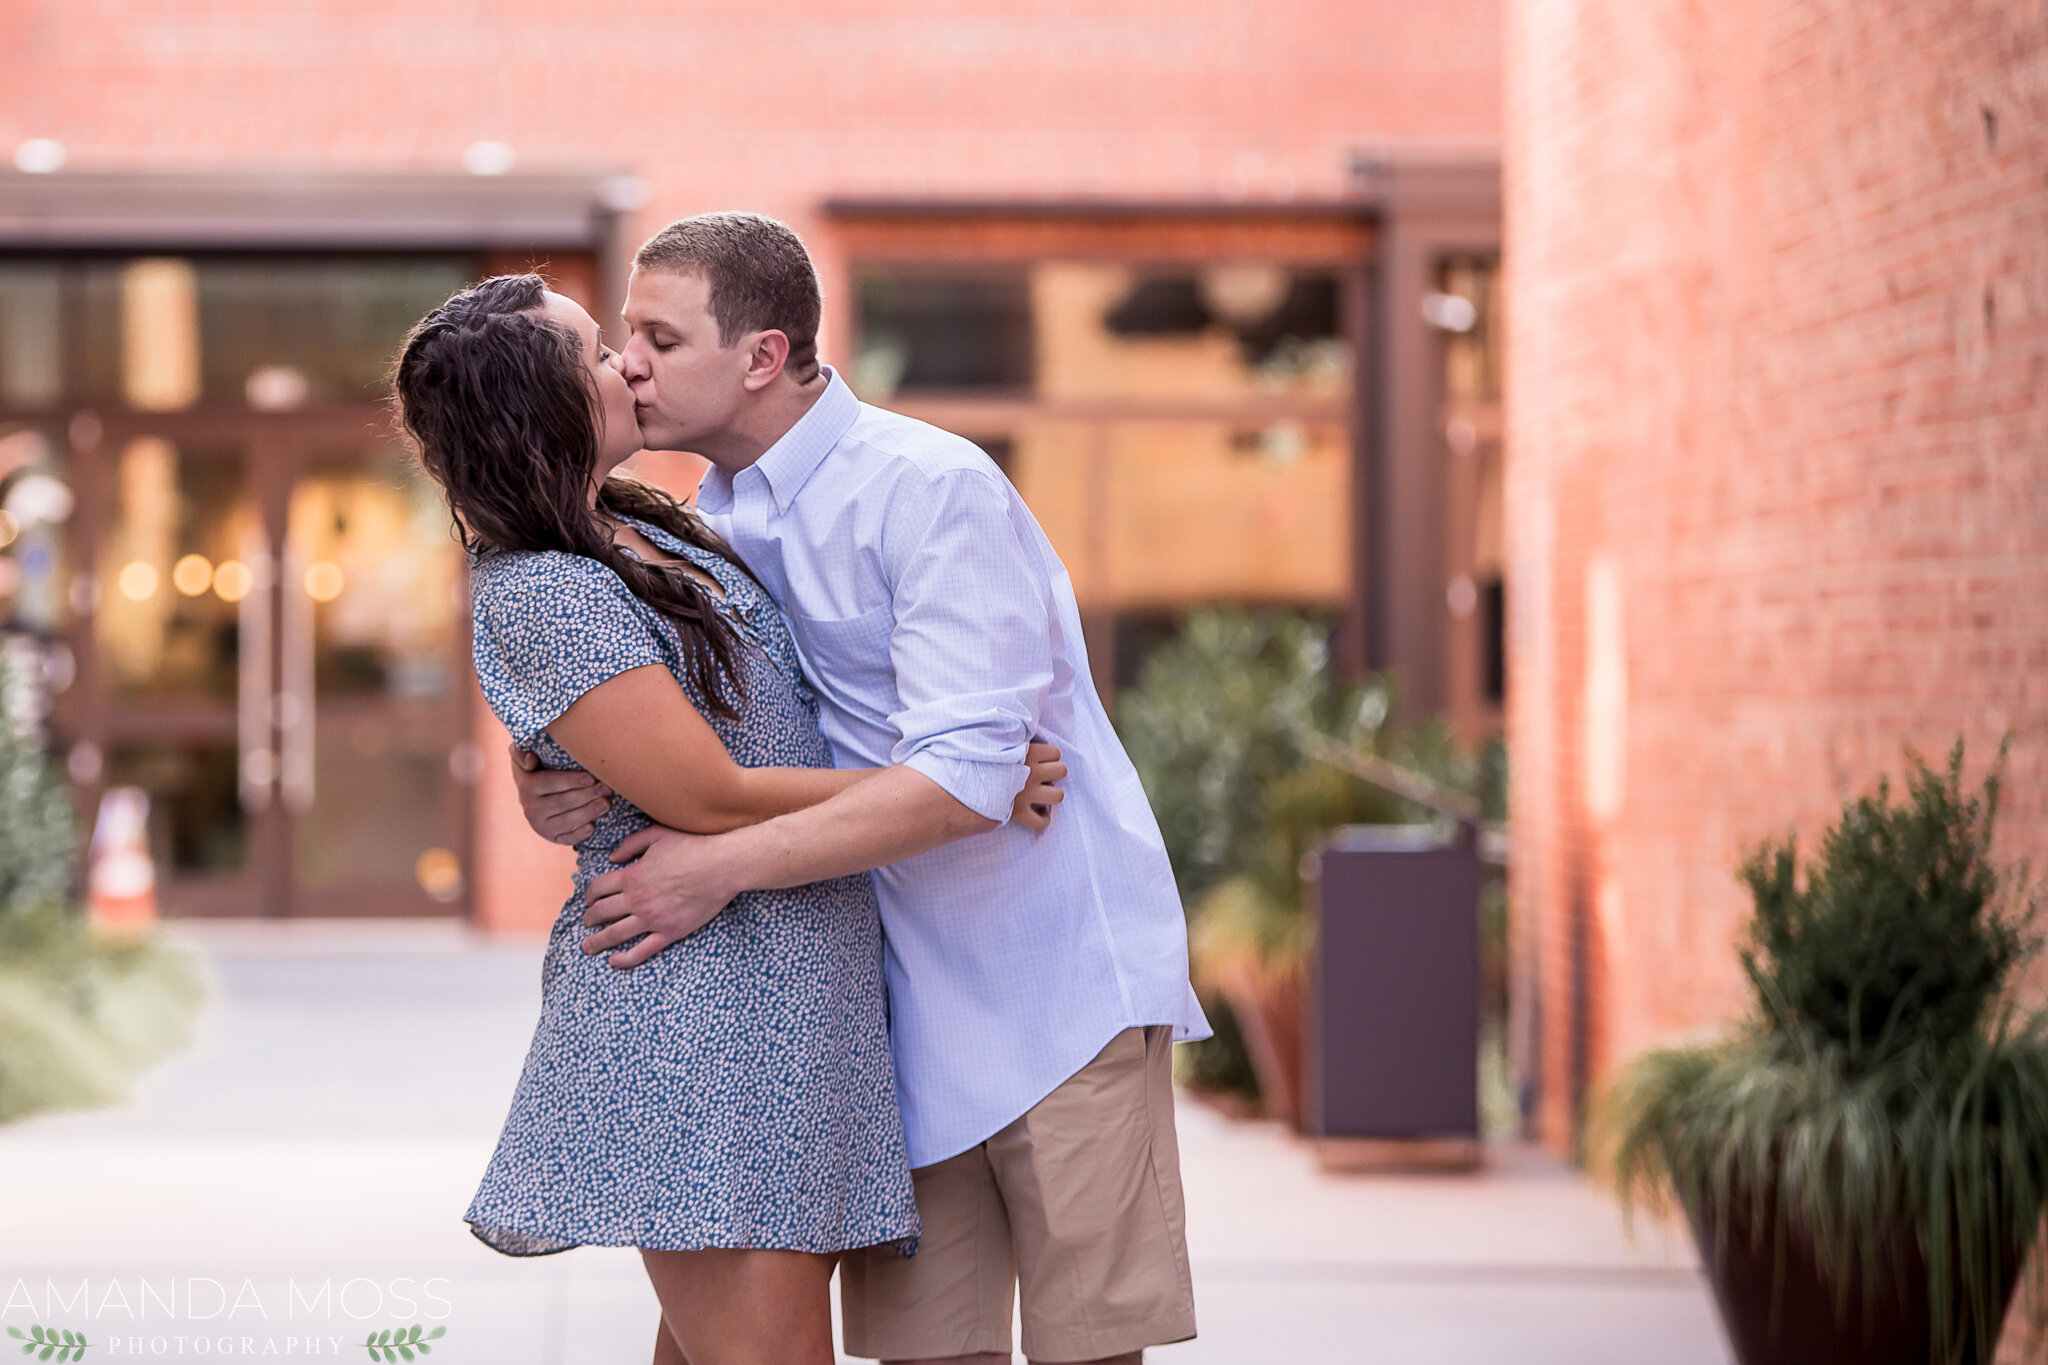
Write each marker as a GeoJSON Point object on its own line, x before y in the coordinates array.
{"type": "Point", "coordinates": [329, 1127]}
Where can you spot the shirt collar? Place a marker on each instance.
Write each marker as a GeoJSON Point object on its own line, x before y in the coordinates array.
{"type": "Point", "coordinates": [788, 464]}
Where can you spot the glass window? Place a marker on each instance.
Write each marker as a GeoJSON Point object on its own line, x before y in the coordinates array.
{"type": "Point", "coordinates": [369, 538]}
{"type": "Point", "coordinates": [35, 505]}
{"type": "Point", "coordinates": [195, 818]}
{"type": "Point", "coordinates": [1232, 330]}
{"type": "Point", "coordinates": [1179, 430]}
{"type": "Point", "coordinates": [1471, 355]}
{"type": "Point", "coordinates": [1160, 514]}
{"type": "Point", "coordinates": [942, 332]}
{"type": "Point", "coordinates": [167, 333]}
{"type": "Point", "coordinates": [31, 345]}
{"type": "Point", "coordinates": [174, 570]}
{"type": "Point", "coordinates": [337, 324]}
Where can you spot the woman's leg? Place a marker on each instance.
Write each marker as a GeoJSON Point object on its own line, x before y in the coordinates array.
{"type": "Point", "coordinates": [745, 1307]}
{"type": "Point", "coordinates": [666, 1352]}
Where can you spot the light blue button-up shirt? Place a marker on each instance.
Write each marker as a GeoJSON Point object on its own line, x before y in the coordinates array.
{"type": "Point", "coordinates": [940, 631]}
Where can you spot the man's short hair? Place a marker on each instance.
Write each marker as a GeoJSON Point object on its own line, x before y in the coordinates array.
{"type": "Point", "coordinates": [760, 276]}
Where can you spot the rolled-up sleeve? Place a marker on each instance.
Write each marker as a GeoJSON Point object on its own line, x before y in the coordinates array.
{"type": "Point", "coordinates": [971, 645]}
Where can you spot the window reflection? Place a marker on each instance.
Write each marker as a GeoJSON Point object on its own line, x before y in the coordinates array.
{"type": "Point", "coordinates": [1179, 430]}
{"type": "Point", "coordinates": [371, 537]}
{"type": "Point", "coordinates": [963, 331]}
{"type": "Point", "coordinates": [159, 335]}
{"type": "Point", "coordinates": [163, 334]}
{"type": "Point", "coordinates": [1158, 514]}
{"type": "Point", "coordinates": [167, 628]}
{"type": "Point", "coordinates": [195, 819]}
{"type": "Point", "coordinates": [31, 354]}
{"type": "Point", "coordinates": [1213, 334]}
{"type": "Point", "coordinates": [1471, 356]}
{"type": "Point", "coordinates": [280, 334]}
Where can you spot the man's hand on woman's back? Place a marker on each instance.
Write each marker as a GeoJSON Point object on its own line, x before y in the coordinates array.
{"type": "Point", "coordinates": [561, 804]}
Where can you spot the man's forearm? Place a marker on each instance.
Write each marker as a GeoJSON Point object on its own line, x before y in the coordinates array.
{"type": "Point", "coordinates": [896, 814]}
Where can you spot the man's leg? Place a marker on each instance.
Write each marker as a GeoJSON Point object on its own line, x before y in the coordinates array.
{"type": "Point", "coordinates": [1090, 1180]}
{"type": "Point", "coordinates": [953, 1300]}
{"type": "Point", "coordinates": [1133, 1358]}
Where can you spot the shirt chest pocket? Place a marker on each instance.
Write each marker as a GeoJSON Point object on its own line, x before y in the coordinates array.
{"type": "Point", "coordinates": [849, 658]}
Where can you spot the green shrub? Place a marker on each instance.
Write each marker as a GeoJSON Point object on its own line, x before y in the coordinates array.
{"type": "Point", "coordinates": [1218, 715]}
{"type": "Point", "coordinates": [38, 831]}
{"type": "Point", "coordinates": [1896, 940]}
{"type": "Point", "coordinates": [80, 1012]}
{"type": "Point", "coordinates": [1219, 729]}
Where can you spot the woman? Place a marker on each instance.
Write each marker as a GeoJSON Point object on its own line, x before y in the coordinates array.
{"type": "Point", "coordinates": [728, 1107]}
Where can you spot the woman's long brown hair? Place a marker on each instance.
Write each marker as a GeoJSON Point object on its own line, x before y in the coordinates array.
{"type": "Point", "coordinates": [499, 403]}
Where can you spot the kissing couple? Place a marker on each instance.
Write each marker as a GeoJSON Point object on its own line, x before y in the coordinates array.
{"type": "Point", "coordinates": [873, 959]}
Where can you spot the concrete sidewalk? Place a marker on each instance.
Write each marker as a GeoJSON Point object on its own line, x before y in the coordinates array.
{"type": "Point", "coordinates": [331, 1124]}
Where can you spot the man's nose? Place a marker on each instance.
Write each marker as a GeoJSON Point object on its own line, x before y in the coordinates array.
{"type": "Point", "coordinates": [633, 360]}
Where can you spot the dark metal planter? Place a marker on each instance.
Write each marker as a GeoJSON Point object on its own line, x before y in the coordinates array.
{"type": "Point", "coordinates": [1778, 1310]}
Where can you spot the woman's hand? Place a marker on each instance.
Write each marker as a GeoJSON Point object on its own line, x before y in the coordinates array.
{"type": "Point", "coordinates": [1034, 804]}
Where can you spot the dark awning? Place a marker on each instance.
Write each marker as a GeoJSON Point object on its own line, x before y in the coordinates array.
{"type": "Point", "coordinates": [309, 210]}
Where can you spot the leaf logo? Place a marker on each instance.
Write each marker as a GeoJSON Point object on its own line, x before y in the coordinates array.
{"type": "Point", "coordinates": [51, 1343]}
{"type": "Point", "coordinates": [401, 1343]}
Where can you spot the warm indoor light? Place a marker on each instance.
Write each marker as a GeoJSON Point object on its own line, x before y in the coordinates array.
{"type": "Point", "coordinates": [276, 388]}
{"type": "Point", "coordinates": [439, 873]}
{"type": "Point", "coordinates": [192, 574]}
{"type": "Point", "coordinates": [324, 581]}
{"type": "Point", "coordinates": [9, 528]}
{"type": "Point", "coordinates": [138, 580]}
{"type": "Point", "coordinates": [232, 580]}
{"type": "Point", "coordinates": [160, 334]}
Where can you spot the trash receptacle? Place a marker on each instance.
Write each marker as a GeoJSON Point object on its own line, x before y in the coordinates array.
{"type": "Point", "coordinates": [1393, 1040]}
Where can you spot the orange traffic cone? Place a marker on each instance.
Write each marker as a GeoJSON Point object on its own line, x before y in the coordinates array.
{"type": "Point", "coordinates": [121, 886]}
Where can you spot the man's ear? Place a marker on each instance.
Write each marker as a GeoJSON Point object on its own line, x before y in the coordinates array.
{"type": "Point", "coordinates": [767, 353]}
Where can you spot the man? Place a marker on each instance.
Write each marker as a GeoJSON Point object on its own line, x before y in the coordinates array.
{"type": "Point", "coordinates": [1037, 979]}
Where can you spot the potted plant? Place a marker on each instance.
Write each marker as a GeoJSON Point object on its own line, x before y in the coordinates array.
{"type": "Point", "coordinates": [1864, 1161]}
{"type": "Point", "coordinates": [1227, 728]}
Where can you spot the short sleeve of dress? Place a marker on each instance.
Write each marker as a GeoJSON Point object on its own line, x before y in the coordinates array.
{"type": "Point", "coordinates": [548, 628]}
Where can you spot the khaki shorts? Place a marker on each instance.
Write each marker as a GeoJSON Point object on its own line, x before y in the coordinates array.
{"type": "Point", "coordinates": [1077, 1203]}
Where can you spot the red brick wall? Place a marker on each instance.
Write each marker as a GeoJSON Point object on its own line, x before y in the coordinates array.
{"type": "Point", "coordinates": [773, 108]}
{"type": "Point", "coordinates": [1778, 447]}
{"type": "Point", "coordinates": [762, 107]}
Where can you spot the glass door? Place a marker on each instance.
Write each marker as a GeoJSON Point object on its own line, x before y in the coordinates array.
{"type": "Point", "coordinates": [277, 656]}
{"type": "Point", "coordinates": [174, 640]}
{"type": "Point", "coordinates": [261, 598]}
{"type": "Point", "coordinates": [258, 609]}
{"type": "Point", "coordinates": [373, 700]}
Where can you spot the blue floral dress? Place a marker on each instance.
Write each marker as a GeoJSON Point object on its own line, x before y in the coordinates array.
{"type": "Point", "coordinates": [736, 1089]}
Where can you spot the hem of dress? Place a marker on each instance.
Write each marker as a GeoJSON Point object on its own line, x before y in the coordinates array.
{"type": "Point", "coordinates": [549, 1244]}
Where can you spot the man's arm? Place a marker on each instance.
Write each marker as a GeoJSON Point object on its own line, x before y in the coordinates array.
{"type": "Point", "coordinates": [677, 882]}
{"type": "Point", "coordinates": [971, 651]}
